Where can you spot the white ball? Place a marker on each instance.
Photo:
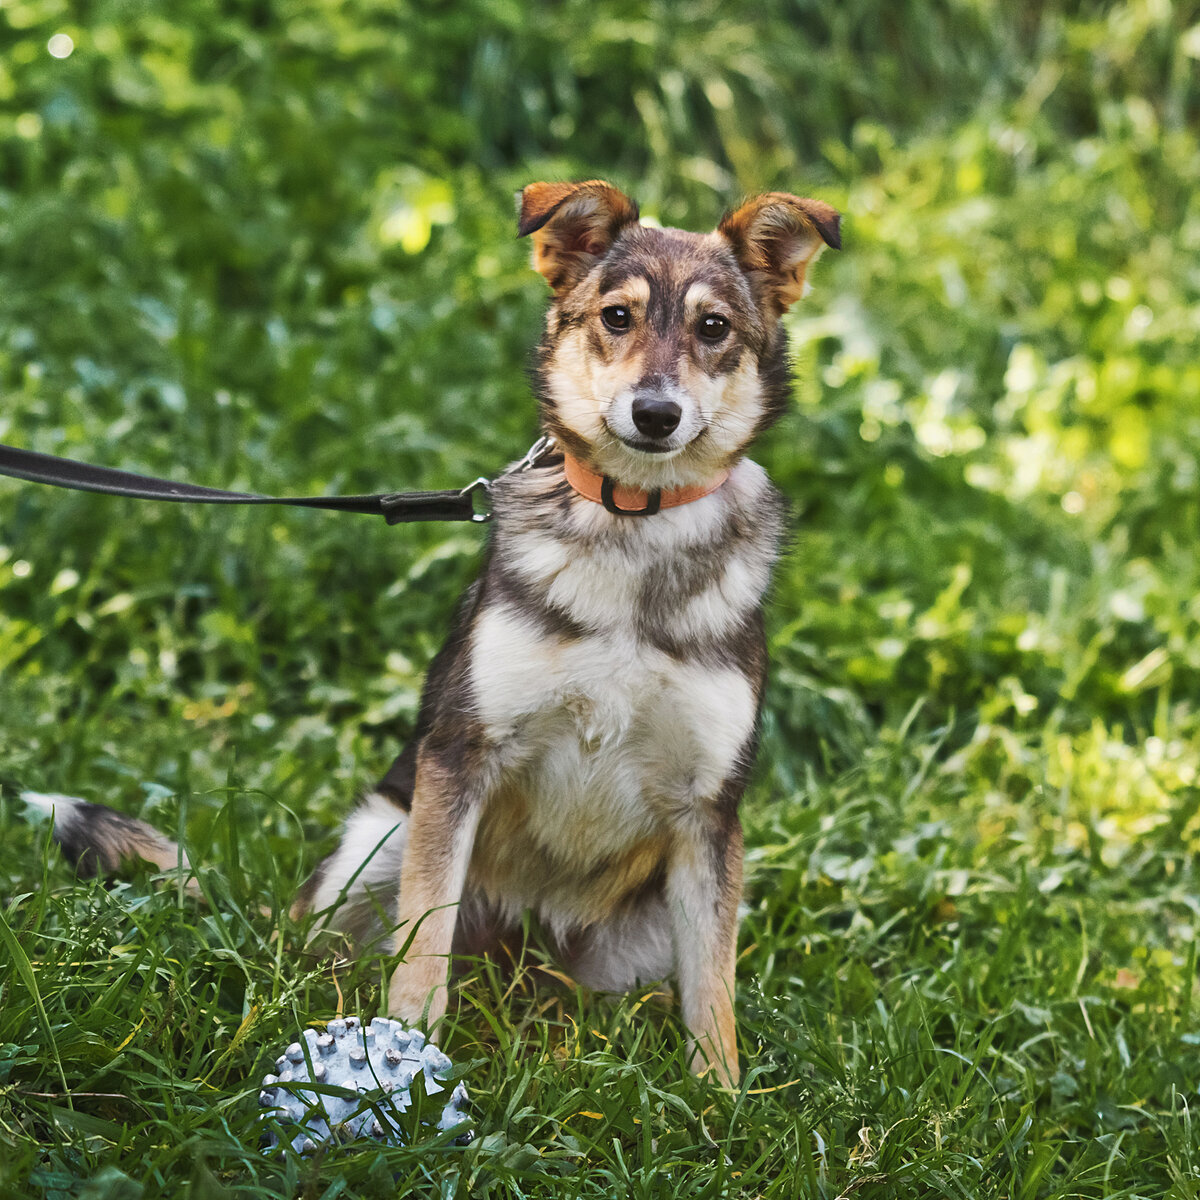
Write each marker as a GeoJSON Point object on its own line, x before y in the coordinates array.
{"type": "Point", "coordinates": [374, 1064]}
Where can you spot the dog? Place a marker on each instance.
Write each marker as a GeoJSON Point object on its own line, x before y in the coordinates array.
{"type": "Point", "coordinates": [586, 731]}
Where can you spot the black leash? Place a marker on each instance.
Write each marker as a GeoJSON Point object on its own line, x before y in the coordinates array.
{"type": "Point", "coordinates": [394, 507]}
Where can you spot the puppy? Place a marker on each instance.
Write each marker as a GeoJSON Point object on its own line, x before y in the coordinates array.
{"type": "Point", "coordinates": [586, 732]}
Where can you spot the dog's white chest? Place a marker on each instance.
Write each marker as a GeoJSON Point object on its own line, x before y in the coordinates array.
{"type": "Point", "coordinates": [602, 730]}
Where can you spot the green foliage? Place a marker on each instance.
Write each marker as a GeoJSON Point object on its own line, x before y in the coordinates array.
{"type": "Point", "coordinates": [269, 245]}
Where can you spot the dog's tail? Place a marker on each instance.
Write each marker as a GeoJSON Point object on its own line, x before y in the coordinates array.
{"type": "Point", "coordinates": [354, 892]}
{"type": "Point", "coordinates": [100, 840]}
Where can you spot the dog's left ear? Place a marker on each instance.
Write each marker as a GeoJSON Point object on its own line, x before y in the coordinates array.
{"type": "Point", "coordinates": [777, 236]}
{"type": "Point", "coordinates": [573, 225]}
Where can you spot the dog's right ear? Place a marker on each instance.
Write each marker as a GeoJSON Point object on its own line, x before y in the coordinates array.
{"type": "Point", "coordinates": [573, 225]}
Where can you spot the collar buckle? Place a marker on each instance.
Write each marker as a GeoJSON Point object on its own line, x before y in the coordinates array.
{"type": "Point", "coordinates": [653, 501]}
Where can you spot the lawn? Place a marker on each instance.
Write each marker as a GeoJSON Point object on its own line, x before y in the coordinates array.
{"type": "Point", "coordinates": [269, 245]}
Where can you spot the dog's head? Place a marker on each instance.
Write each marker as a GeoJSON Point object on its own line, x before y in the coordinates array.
{"type": "Point", "coordinates": [664, 355]}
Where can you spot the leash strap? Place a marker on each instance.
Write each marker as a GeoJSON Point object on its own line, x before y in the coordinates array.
{"type": "Point", "coordinates": [395, 507]}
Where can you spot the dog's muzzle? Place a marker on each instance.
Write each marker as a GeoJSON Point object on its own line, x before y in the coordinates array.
{"type": "Point", "coordinates": [654, 415]}
{"type": "Point", "coordinates": [655, 419]}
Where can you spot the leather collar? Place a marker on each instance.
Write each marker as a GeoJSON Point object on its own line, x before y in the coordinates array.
{"type": "Point", "coordinates": [628, 501]}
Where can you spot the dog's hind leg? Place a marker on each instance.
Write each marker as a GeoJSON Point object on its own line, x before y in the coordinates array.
{"type": "Point", "coordinates": [354, 890]}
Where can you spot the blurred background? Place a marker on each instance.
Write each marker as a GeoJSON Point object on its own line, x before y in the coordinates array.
{"type": "Point", "coordinates": [271, 246]}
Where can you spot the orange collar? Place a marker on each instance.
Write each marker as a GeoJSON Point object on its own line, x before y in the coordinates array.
{"type": "Point", "coordinates": [628, 501]}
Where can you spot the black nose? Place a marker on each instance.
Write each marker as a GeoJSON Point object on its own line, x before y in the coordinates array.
{"type": "Point", "coordinates": [654, 416]}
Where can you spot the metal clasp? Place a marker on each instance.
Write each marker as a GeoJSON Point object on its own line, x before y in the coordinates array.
{"type": "Point", "coordinates": [532, 454]}
{"type": "Point", "coordinates": [481, 484]}
{"type": "Point", "coordinates": [484, 484]}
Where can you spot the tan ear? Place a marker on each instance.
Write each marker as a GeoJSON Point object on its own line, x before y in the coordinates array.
{"type": "Point", "coordinates": [776, 236]}
{"type": "Point", "coordinates": [573, 225]}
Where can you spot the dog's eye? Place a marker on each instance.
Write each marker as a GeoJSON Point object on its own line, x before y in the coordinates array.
{"type": "Point", "coordinates": [615, 316]}
{"type": "Point", "coordinates": [712, 327]}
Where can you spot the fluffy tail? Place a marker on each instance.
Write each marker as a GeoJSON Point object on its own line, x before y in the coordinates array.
{"type": "Point", "coordinates": [354, 891]}
{"type": "Point", "coordinates": [100, 840]}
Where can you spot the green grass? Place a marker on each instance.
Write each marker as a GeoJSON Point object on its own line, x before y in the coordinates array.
{"type": "Point", "coordinates": [270, 246]}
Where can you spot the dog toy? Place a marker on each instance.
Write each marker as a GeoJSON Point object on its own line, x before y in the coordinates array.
{"type": "Point", "coordinates": [374, 1066]}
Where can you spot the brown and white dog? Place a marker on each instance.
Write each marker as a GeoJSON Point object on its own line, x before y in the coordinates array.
{"type": "Point", "coordinates": [585, 733]}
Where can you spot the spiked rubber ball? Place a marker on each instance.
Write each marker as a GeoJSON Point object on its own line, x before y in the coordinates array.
{"type": "Point", "coordinates": [364, 1076]}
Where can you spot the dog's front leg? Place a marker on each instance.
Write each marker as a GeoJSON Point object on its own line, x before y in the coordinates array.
{"type": "Point", "coordinates": [704, 887]}
{"type": "Point", "coordinates": [441, 835]}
